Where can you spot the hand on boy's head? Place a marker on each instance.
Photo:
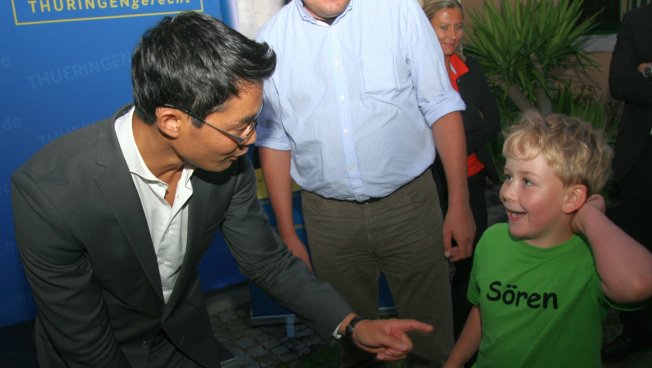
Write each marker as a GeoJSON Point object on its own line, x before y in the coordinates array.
{"type": "Point", "coordinates": [580, 219]}
{"type": "Point", "coordinates": [597, 201]}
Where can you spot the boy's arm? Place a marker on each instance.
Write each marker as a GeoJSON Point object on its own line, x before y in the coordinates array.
{"type": "Point", "coordinates": [624, 265]}
{"type": "Point", "coordinates": [468, 342]}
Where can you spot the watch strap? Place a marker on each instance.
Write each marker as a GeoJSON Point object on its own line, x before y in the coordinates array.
{"type": "Point", "coordinates": [647, 72]}
{"type": "Point", "coordinates": [348, 331]}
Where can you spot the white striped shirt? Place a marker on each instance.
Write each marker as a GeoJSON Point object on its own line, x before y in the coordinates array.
{"type": "Point", "coordinates": [355, 101]}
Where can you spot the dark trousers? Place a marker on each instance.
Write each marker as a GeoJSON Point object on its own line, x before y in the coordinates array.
{"type": "Point", "coordinates": [399, 235]}
{"type": "Point", "coordinates": [462, 273]}
{"type": "Point", "coordinates": [636, 220]}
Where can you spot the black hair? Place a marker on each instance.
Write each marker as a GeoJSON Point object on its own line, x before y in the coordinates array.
{"type": "Point", "coordinates": [194, 62]}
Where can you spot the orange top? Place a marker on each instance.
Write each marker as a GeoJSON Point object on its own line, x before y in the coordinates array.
{"type": "Point", "coordinates": [458, 69]}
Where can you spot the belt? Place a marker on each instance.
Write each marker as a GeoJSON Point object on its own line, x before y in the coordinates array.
{"type": "Point", "coordinates": [374, 199]}
{"type": "Point", "coordinates": [367, 201]}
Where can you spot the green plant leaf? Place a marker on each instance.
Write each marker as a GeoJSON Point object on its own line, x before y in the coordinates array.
{"type": "Point", "coordinates": [530, 43]}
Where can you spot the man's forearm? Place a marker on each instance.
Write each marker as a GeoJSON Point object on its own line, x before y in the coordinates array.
{"type": "Point", "coordinates": [276, 173]}
{"type": "Point", "coordinates": [448, 133]}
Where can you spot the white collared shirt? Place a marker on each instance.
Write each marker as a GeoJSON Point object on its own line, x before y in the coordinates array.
{"type": "Point", "coordinates": [354, 102]}
{"type": "Point", "coordinates": [168, 225]}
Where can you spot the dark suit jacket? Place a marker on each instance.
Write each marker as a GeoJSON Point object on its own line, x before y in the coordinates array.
{"type": "Point", "coordinates": [481, 120]}
{"type": "Point", "coordinates": [481, 117]}
{"type": "Point", "coordinates": [85, 245]}
{"type": "Point", "coordinates": [633, 47]}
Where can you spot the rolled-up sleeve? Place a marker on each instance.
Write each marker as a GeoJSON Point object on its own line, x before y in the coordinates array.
{"type": "Point", "coordinates": [435, 95]}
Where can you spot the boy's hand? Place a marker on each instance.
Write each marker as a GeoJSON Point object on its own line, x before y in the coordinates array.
{"type": "Point", "coordinates": [594, 203]}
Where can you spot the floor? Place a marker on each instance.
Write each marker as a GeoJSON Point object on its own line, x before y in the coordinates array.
{"type": "Point", "coordinates": [251, 345]}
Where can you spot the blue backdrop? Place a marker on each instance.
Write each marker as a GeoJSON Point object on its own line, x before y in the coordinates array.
{"type": "Point", "coordinates": [65, 64]}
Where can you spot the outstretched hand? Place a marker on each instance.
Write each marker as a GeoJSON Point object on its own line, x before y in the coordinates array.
{"type": "Point", "coordinates": [387, 338]}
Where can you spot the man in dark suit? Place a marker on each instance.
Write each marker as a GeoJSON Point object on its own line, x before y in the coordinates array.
{"type": "Point", "coordinates": [113, 219]}
{"type": "Point", "coordinates": [630, 80]}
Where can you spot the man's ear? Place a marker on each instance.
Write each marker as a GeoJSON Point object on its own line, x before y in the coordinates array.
{"type": "Point", "coordinates": [168, 121]}
{"type": "Point", "coordinates": [574, 198]}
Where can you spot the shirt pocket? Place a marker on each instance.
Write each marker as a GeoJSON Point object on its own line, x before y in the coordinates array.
{"type": "Point", "coordinates": [379, 73]}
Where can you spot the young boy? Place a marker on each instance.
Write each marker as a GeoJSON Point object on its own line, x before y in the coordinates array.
{"type": "Point", "coordinates": [541, 283]}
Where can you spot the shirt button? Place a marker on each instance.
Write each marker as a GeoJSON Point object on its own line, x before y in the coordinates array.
{"type": "Point", "coordinates": [337, 61]}
{"type": "Point", "coordinates": [346, 131]}
{"type": "Point", "coordinates": [161, 261]}
{"type": "Point", "coordinates": [341, 98]}
{"type": "Point", "coordinates": [144, 344]}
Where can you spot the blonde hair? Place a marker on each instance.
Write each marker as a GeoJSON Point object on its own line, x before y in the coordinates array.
{"type": "Point", "coordinates": [577, 153]}
{"type": "Point", "coordinates": [431, 7]}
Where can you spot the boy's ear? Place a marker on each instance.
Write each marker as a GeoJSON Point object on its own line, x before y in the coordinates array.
{"type": "Point", "coordinates": [574, 198]}
{"type": "Point", "coordinates": [168, 121]}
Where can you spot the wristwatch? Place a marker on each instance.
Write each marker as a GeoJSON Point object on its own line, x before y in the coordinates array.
{"type": "Point", "coordinates": [348, 331]}
{"type": "Point", "coordinates": [647, 72]}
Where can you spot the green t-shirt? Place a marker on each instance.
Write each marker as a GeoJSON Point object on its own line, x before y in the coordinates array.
{"type": "Point", "coordinates": [538, 307]}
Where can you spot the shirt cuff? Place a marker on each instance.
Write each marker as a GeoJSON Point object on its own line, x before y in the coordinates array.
{"type": "Point", "coordinates": [336, 335]}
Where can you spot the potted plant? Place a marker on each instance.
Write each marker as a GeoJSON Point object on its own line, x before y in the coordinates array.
{"type": "Point", "coordinates": [527, 47]}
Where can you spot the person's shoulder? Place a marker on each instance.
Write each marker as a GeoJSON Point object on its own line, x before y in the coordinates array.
{"type": "Point", "coordinates": [66, 151]}
{"type": "Point", "coordinates": [641, 14]}
{"type": "Point", "coordinates": [497, 229]}
{"type": "Point", "coordinates": [643, 10]}
{"type": "Point", "coordinates": [492, 234]}
{"type": "Point", "coordinates": [474, 66]}
{"type": "Point", "coordinates": [579, 243]}
{"type": "Point", "coordinates": [276, 24]}
{"type": "Point", "coordinates": [391, 9]}
{"type": "Point", "coordinates": [470, 61]}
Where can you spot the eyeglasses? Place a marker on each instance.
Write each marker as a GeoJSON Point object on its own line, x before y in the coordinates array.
{"type": "Point", "coordinates": [239, 140]}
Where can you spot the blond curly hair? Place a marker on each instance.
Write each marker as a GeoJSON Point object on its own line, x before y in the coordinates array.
{"type": "Point", "coordinates": [577, 152]}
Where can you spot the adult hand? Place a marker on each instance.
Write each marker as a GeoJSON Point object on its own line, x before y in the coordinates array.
{"type": "Point", "coordinates": [387, 338]}
{"type": "Point", "coordinates": [298, 249]}
{"type": "Point", "coordinates": [580, 219]}
{"type": "Point", "coordinates": [642, 66]}
{"type": "Point", "coordinates": [459, 232]}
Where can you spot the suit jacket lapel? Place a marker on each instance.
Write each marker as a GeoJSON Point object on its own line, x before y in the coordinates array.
{"type": "Point", "coordinates": [117, 186]}
{"type": "Point", "coordinates": [197, 216]}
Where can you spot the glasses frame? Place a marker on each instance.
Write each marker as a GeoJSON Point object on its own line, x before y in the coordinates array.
{"type": "Point", "coordinates": [240, 141]}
